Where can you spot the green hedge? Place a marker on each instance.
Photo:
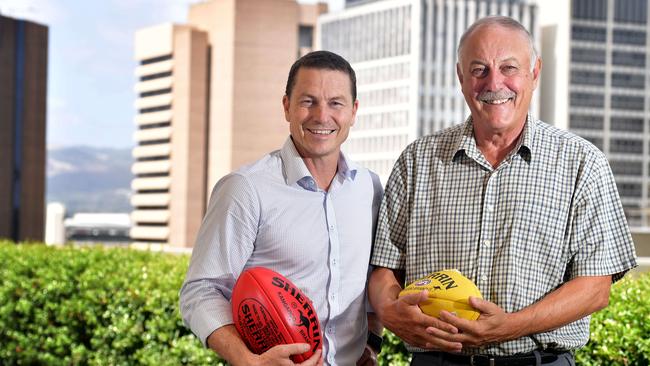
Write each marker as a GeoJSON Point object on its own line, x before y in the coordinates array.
{"type": "Point", "coordinates": [94, 306]}
{"type": "Point", "coordinates": [620, 333]}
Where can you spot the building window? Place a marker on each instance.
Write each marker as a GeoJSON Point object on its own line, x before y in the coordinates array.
{"type": "Point", "coordinates": [632, 190]}
{"type": "Point", "coordinates": [585, 77]}
{"type": "Point", "coordinates": [156, 76]}
{"type": "Point", "coordinates": [628, 58]}
{"type": "Point", "coordinates": [593, 100]}
{"type": "Point", "coordinates": [627, 102]}
{"type": "Point", "coordinates": [155, 109]}
{"type": "Point", "coordinates": [588, 55]}
{"type": "Point", "coordinates": [624, 36]}
{"type": "Point", "coordinates": [631, 11]}
{"type": "Point", "coordinates": [626, 146]}
{"type": "Point", "coordinates": [155, 92]}
{"type": "Point", "coordinates": [154, 142]}
{"type": "Point", "coordinates": [155, 125]}
{"type": "Point", "coordinates": [590, 34]}
{"type": "Point", "coordinates": [305, 36]}
{"type": "Point", "coordinates": [626, 124]}
{"type": "Point", "coordinates": [586, 122]}
{"type": "Point", "coordinates": [597, 141]}
{"type": "Point", "coordinates": [590, 9]}
{"type": "Point", "coordinates": [632, 81]}
{"type": "Point", "coordinates": [633, 168]}
{"type": "Point", "coordinates": [153, 60]}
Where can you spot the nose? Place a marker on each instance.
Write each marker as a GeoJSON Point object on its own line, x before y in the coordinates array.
{"type": "Point", "coordinates": [321, 112]}
{"type": "Point", "coordinates": [493, 81]}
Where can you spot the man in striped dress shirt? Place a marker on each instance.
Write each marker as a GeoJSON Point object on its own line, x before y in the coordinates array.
{"type": "Point", "coordinates": [304, 211]}
{"type": "Point", "coordinates": [531, 213]}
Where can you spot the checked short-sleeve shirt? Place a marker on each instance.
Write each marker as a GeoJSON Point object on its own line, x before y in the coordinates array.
{"type": "Point", "coordinates": [549, 212]}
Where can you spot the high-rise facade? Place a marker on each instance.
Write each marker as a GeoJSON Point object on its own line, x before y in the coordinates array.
{"type": "Point", "coordinates": [209, 102]}
{"type": "Point", "coordinates": [608, 100]}
{"type": "Point", "coordinates": [23, 91]}
{"type": "Point", "coordinates": [404, 53]}
{"type": "Point", "coordinates": [170, 156]}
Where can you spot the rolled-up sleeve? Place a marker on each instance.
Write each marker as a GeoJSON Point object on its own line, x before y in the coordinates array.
{"type": "Point", "coordinates": [224, 244]}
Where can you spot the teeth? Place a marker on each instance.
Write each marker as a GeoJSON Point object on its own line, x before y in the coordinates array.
{"type": "Point", "coordinates": [496, 101]}
{"type": "Point", "coordinates": [322, 132]}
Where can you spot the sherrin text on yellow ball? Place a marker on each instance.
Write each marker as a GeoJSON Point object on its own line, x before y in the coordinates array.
{"type": "Point", "coordinates": [448, 290]}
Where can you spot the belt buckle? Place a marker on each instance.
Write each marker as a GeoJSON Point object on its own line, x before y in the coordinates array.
{"type": "Point", "coordinates": [473, 359]}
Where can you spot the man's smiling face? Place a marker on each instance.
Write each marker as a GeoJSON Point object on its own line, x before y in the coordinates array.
{"type": "Point", "coordinates": [320, 111]}
{"type": "Point", "coordinates": [495, 74]}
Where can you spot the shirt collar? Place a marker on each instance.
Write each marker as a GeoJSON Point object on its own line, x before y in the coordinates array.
{"type": "Point", "coordinates": [296, 172]}
{"type": "Point", "coordinates": [467, 143]}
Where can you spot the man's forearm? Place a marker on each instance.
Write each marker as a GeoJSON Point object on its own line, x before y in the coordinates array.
{"type": "Point", "coordinates": [384, 284]}
{"type": "Point", "coordinates": [574, 300]}
{"type": "Point", "coordinates": [227, 343]}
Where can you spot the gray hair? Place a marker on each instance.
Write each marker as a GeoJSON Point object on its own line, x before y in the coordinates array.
{"type": "Point", "coordinates": [505, 22]}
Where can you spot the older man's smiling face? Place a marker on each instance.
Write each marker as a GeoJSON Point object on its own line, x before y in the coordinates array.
{"type": "Point", "coordinates": [496, 77]}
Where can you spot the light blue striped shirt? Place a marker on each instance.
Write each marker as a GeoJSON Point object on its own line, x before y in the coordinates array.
{"type": "Point", "coordinates": [272, 214]}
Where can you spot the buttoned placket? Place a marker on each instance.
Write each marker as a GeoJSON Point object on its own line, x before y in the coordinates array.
{"type": "Point", "coordinates": [486, 245]}
{"type": "Point", "coordinates": [333, 292]}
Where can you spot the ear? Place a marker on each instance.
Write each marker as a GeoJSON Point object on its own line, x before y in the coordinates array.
{"type": "Point", "coordinates": [459, 73]}
{"type": "Point", "coordinates": [355, 106]}
{"type": "Point", "coordinates": [285, 105]}
{"type": "Point", "coordinates": [536, 71]}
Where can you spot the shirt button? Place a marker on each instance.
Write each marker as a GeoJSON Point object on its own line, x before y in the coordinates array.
{"type": "Point", "coordinates": [490, 208]}
{"type": "Point", "coordinates": [486, 243]}
{"type": "Point", "coordinates": [484, 278]}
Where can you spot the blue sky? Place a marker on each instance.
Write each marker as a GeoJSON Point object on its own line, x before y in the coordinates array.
{"type": "Point", "coordinates": [90, 70]}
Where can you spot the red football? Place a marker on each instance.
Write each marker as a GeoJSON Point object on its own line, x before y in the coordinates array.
{"type": "Point", "coordinates": [268, 310]}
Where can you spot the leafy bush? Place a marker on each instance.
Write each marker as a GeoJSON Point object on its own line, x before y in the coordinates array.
{"type": "Point", "coordinates": [96, 306]}
{"type": "Point", "coordinates": [620, 333]}
{"type": "Point", "coordinates": [93, 306]}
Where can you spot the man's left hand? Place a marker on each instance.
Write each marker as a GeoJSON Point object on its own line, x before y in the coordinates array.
{"type": "Point", "coordinates": [368, 358]}
{"type": "Point", "coordinates": [491, 327]}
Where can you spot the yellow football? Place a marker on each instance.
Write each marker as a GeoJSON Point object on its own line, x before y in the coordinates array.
{"type": "Point", "coordinates": [448, 290]}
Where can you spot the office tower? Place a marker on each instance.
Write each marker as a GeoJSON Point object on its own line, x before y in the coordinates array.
{"type": "Point", "coordinates": [169, 185]}
{"type": "Point", "coordinates": [23, 89]}
{"type": "Point", "coordinates": [404, 53]}
{"type": "Point", "coordinates": [608, 88]}
{"type": "Point", "coordinates": [210, 96]}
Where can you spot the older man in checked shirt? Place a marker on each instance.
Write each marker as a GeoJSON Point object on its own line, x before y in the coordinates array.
{"type": "Point", "coordinates": [304, 211]}
{"type": "Point", "coordinates": [531, 213]}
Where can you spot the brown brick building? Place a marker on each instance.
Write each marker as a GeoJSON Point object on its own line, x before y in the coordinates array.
{"type": "Point", "coordinates": [23, 84]}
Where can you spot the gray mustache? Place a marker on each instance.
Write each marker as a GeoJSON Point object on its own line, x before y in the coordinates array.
{"type": "Point", "coordinates": [500, 94]}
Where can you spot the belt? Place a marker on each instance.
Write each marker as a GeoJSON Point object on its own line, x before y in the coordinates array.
{"type": "Point", "coordinates": [489, 360]}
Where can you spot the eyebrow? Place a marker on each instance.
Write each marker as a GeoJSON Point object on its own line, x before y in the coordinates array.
{"type": "Point", "coordinates": [307, 95]}
{"type": "Point", "coordinates": [508, 59]}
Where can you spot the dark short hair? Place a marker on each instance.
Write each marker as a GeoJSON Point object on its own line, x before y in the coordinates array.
{"type": "Point", "coordinates": [322, 60]}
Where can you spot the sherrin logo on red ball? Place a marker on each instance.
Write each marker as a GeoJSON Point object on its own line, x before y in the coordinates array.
{"type": "Point", "coordinates": [268, 310]}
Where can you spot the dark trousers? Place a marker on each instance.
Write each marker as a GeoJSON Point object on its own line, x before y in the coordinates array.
{"type": "Point", "coordinates": [533, 358]}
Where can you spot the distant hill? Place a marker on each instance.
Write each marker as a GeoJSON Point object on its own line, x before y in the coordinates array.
{"type": "Point", "coordinates": [89, 179]}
